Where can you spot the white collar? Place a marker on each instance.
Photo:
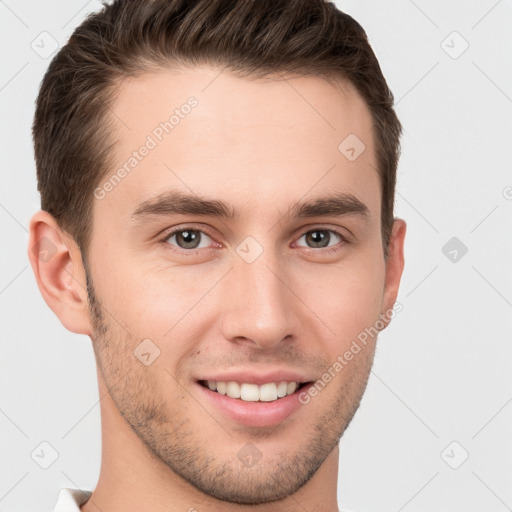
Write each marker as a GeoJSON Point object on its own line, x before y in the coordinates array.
{"type": "Point", "coordinates": [69, 500]}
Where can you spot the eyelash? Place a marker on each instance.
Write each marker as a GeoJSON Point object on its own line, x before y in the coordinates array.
{"type": "Point", "coordinates": [344, 240]}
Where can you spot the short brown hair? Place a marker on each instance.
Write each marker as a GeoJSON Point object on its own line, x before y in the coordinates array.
{"type": "Point", "coordinates": [72, 131]}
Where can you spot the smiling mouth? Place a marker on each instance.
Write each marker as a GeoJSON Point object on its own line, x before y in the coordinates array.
{"type": "Point", "coordinates": [269, 392]}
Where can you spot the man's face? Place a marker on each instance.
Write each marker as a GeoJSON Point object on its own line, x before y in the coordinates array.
{"type": "Point", "coordinates": [264, 291]}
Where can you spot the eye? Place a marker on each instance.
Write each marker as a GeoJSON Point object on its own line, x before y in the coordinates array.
{"type": "Point", "coordinates": [320, 238]}
{"type": "Point", "coordinates": [188, 239]}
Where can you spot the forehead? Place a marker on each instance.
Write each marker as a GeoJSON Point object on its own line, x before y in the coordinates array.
{"type": "Point", "coordinates": [213, 133]}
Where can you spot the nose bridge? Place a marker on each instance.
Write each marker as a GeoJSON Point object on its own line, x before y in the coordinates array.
{"type": "Point", "coordinates": [260, 305]}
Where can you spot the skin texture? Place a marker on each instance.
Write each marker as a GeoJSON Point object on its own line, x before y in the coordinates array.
{"type": "Point", "coordinates": [259, 145]}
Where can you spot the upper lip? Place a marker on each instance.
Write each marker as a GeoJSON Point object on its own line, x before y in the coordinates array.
{"type": "Point", "coordinates": [258, 378]}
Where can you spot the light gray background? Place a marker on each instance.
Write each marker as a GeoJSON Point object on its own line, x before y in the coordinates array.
{"type": "Point", "coordinates": [442, 369]}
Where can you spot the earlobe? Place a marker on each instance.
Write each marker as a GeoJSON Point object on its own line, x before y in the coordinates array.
{"type": "Point", "coordinates": [394, 268]}
{"type": "Point", "coordinates": [57, 265]}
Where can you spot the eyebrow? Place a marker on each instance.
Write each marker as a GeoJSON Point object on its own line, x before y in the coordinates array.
{"type": "Point", "coordinates": [178, 203]}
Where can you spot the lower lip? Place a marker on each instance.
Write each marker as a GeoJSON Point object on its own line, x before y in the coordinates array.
{"type": "Point", "coordinates": [255, 414]}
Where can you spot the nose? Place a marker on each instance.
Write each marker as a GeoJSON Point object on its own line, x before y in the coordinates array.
{"type": "Point", "coordinates": [260, 307]}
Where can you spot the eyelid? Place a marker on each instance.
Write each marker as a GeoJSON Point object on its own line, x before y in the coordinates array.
{"type": "Point", "coordinates": [338, 230]}
{"type": "Point", "coordinates": [167, 233]}
{"type": "Point", "coordinates": [345, 239]}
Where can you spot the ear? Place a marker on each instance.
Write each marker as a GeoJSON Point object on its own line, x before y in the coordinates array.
{"type": "Point", "coordinates": [57, 264]}
{"type": "Point", "coordinates": [394, 268]}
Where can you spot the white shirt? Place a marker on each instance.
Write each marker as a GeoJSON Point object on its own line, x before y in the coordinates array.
{"type": "Point", "coordinates": [69, 500]}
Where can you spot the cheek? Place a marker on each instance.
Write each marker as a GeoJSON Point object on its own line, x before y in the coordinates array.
{"type": "Point", "coordinates": [160, 302]}
{"type": "Point", "coordinates": [347, 298]}
{"type": "Point", "coordinates": [165, 305]}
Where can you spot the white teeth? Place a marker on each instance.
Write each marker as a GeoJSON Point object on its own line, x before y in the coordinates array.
{"type": "Point", "coordinates": [232, 390]}
{"type": "Point", "coordinates": [251, 392]}
{"type": "Point", "coordinates": [247, 392]}
{"type": "Point", "coordinates": [282, 389]}
{"type": "Point", "coordinates": [292, 386]}
{"type": "Point", "coordinates": [268, 392]}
